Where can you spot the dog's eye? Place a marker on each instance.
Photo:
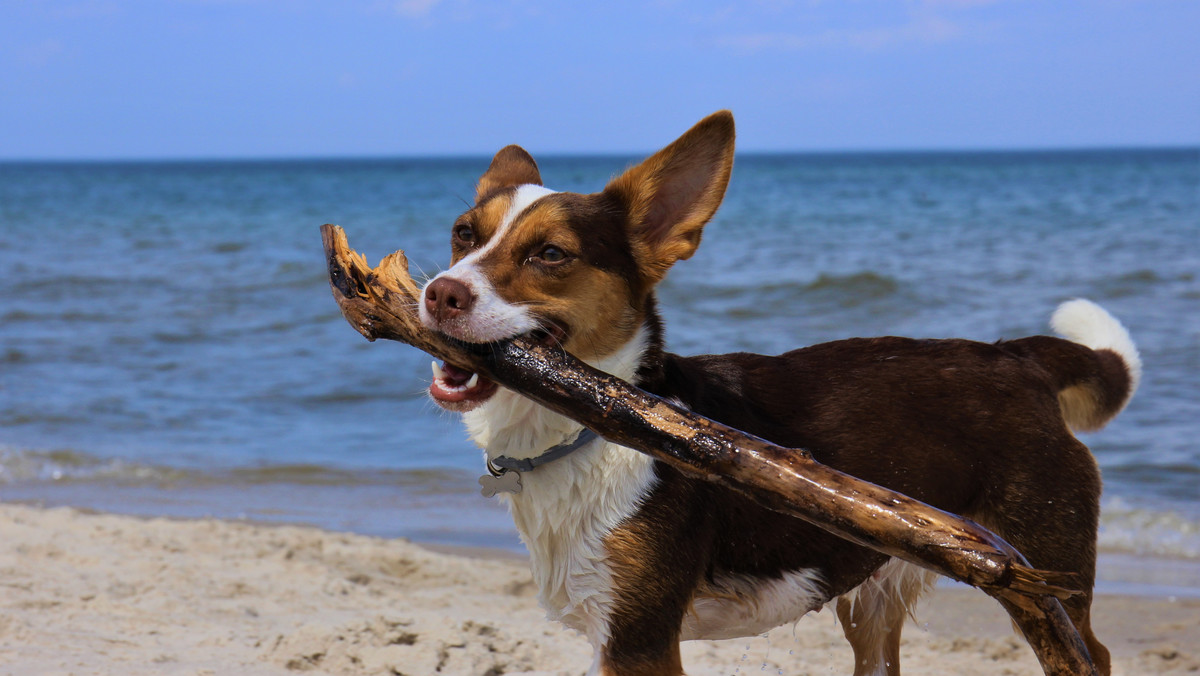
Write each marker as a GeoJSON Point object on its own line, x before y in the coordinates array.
{"type": "Point", "coordinates": [551, 254]}
{"type": "Point", "coordinates": [464, 233]}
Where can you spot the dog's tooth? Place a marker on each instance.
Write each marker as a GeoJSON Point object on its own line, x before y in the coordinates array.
{"type": "Point", "coordinates": [438, 373]}
{"type": "Point", "coordinates": [473, 381]}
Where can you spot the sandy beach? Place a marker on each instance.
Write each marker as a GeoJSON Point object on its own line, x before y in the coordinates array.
{"type": "Point", "coordinates": [84, 593]}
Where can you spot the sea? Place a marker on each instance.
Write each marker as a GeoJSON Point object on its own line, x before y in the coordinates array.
{"type": "Point", "coordinates": [169, 346]}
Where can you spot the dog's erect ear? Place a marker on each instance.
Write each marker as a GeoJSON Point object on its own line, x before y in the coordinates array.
{"type": "Point", "coordinates": [672, 194]}
{"type": "Point", "coordinates": [510, 167]}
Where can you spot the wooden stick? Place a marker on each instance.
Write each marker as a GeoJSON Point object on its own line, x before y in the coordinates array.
{"type": "Point", "coordinates": [382, 303]}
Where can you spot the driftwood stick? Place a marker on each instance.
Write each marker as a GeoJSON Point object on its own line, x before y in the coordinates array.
{"type": "Point", "coordinates": [381, 303]}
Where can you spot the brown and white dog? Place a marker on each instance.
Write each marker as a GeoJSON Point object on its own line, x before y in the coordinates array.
{"type": "Point", "coordinates": [638, 556]}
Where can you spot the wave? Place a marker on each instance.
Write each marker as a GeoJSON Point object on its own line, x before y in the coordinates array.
{"type": "Point", "coordinates": [859, 284]}
{"type": "Point", "coordinates": [18, 466]}
{"type": "Point", "coordinates": [53, 288]}
{"type": "Point", "coordinates": [1139, 282]}
{"type": "Point", "coordinates": [16, 316]}
{"type": "Point", "coordinates": [73, 467]}
{"type": "Point", "coordinates": [741, 299]}
{"type": "Point", "coordinates": [863, 283]}
{"type": "Point", "coordinates": [13, 356]}
{"type": "Point", "coordinates": [1134, 529]}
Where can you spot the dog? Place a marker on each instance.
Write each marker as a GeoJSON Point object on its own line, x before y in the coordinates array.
{"type": "Point", "coordinates": [639, 556]}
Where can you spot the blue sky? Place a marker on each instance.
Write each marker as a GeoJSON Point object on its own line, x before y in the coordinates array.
{"type": "Point", "coordinates": [287, 78]}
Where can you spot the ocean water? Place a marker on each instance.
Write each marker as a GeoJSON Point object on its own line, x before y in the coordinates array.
{"type": "Point", "coordinates": [169, 345]}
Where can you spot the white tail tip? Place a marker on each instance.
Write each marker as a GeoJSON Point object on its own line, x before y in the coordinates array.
{"type": "Point", "coordinates": [1084, 322]}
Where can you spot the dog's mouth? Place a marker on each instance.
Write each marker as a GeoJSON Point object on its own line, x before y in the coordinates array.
{"type": "Point", "coordinates": [458, 389]}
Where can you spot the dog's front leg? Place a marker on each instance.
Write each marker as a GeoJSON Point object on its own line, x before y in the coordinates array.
{"type": "Point", "coordinates": [645, 626]}
{"type": "Point", "coordinates": [666, 663]}
{"type": "Point", "coordinates": [657, 559]}
{"type": "Point", "coordinates": [645, 646]}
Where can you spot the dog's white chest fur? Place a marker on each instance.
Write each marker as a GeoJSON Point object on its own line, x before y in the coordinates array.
{"type": "Point", "coordinates": [567, 507]}
{"type": "Point", "coordinates": [563, 514]}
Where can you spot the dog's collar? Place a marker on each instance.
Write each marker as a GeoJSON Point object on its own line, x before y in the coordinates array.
{"type": "Point", "coordinates": [504, 473]}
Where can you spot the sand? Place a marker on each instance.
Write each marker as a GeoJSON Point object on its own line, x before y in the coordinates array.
{"type": "Point", "coordinates": [88, 593]}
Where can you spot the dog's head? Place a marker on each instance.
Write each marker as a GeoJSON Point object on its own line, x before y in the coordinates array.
{"type": "Point", "coordinates": [576, 270]}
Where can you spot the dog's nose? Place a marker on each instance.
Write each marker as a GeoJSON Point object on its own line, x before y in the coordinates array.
{"type": "Point", "coordinates": [446, 298]}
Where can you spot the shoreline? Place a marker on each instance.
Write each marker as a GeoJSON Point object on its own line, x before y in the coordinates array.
{"type": "Point", "coordinates": [458, 520]}
{"type": "Point", "coordinates": [100, 593]}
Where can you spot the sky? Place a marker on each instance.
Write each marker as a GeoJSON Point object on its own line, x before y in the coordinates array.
{"type": "Point", "coordinates": [148, 79]}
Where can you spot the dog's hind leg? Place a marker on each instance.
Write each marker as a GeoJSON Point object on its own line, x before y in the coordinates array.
{"type": "Point", "coordinates": [873, 614]}
{"type": "Point", "coordinates": [1058, 532]}
{"type": "Point", "coordinates": [873, 632]}
{"type": "Point", "coordinates": [1079, 609]}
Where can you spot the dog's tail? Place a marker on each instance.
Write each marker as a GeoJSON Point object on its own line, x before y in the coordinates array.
{"type": "Point", "coordinates": [1097, 372]}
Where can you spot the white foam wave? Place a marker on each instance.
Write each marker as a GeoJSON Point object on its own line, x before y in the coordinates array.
{"type": "Point", "coordinates": [17, 466]}
{"type": "Point", "coordinates": [1126, 527]}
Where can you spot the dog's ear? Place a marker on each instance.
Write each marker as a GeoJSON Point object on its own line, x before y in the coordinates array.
{"type": "Point", "coordinates": [672, 194]}
{"type": "Point", "coordinates": [510, 167]}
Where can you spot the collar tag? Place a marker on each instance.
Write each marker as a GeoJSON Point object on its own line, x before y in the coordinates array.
{"type": "Point", "coordinates": [507, 481]}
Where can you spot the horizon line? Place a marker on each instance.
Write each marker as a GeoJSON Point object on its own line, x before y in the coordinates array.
{"type": "Point", "coordinates": [566, 154]}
